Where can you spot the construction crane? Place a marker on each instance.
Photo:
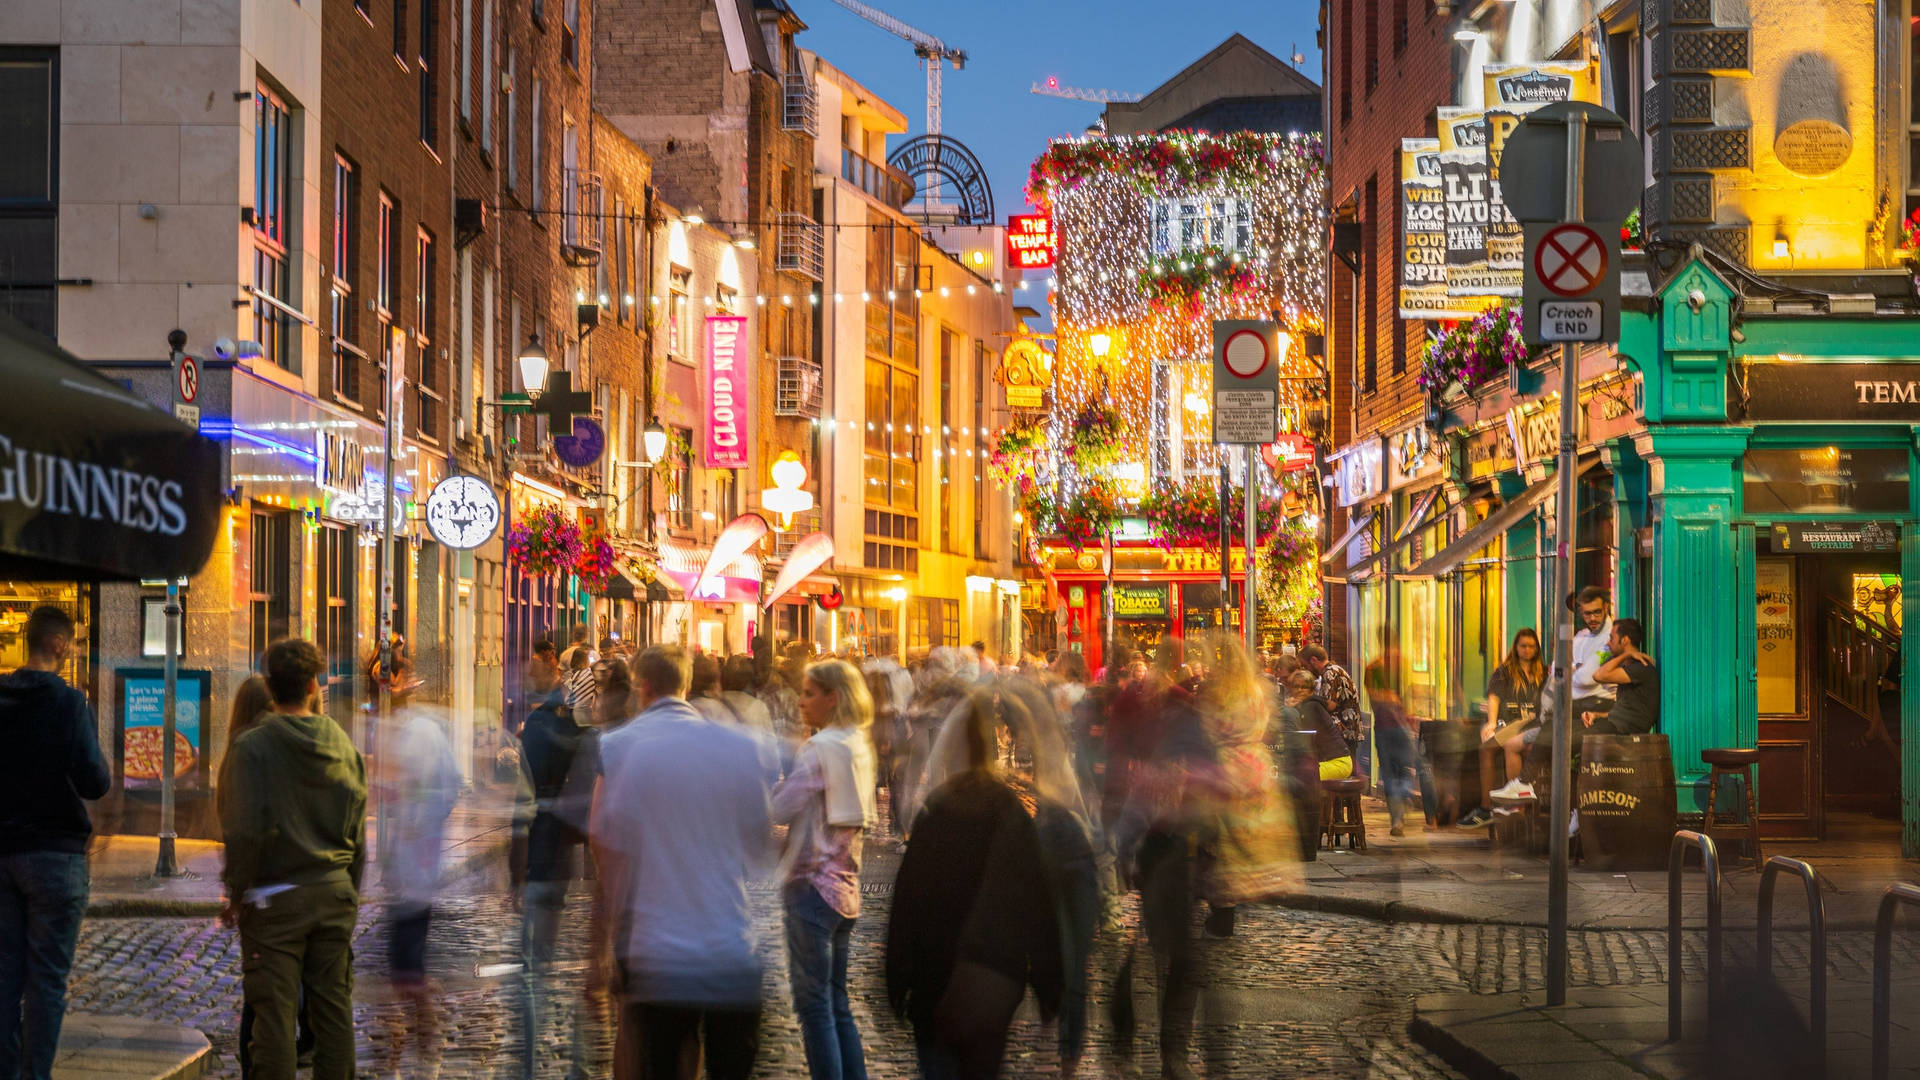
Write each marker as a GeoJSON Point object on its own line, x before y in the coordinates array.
{"type": "Point", "coordinates": [931, 50]}
{"type": "Point", "coordinates": [1052, 88]}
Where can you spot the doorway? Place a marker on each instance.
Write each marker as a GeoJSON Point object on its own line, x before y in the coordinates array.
{"type": "Point", "coordinates": [1827, 674]}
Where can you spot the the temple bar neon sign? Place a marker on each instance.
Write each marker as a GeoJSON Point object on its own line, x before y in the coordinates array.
{"type": "Point", "coordinates": [1031, 242]}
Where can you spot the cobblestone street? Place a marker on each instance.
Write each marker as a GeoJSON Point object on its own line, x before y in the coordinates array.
{"type": "Point", "coordinates": [1290, 994]}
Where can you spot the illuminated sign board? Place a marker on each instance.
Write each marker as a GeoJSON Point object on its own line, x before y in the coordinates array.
{"type": "Point", "coordinates": [1032, 244]}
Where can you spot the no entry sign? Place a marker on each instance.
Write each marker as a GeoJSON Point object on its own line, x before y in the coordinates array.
{"type": "Point", "coordinates": [1247, 354]}
{"type": "Point", "coordinates": [1571, 260]}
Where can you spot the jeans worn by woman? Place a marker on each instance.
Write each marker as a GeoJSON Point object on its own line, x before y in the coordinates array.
{"type": "Point", "coordinates": [818, 942]}
{"type": "Point", "coordinates": [1400, 760]}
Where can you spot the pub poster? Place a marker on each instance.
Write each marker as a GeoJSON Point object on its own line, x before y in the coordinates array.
{"type": "Point", "coordinates": [1512, 91]}
{"type": "Point", "coordinates": [1463, 178]}
{"type": "Point", "coordinates": [1423, 234]}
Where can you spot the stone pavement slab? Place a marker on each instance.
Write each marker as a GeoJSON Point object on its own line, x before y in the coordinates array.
{"type": "Point", "coordinates": [124, 1048]}
{"type": "Point", "coordinates": [124, 883]}
{"type": "Point", "coordinates": [1446, 874]}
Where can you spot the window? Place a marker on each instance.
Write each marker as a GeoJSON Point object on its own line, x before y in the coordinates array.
{"type": "Point", "coordinates": [622, 263]}
{"type": "Point", "coordinates": [388, 264]}
{"type": "Point", "coordinates": [489, 82]}
{"type": "Point", "coordinates": [536, 165]}
{"type": "Point", "coordinates": [892, 452]}
{"type": "Point", "coordinates": [400, 31]}
{"type": "Point", "coordinates": [892, 541]}
{"type": "Point", "coordinates": [725, 299]}
{"type": "Point", "coordinates": [570, 33]}
{"type": "Point", "coordinates": [680, 479]}
{"type": "Point", "coordinates": [1369, 231]}
{"type": "Point", "coordinates": [29, 193]}
{"type": "Point", "coordinates": [429, 76]}
{"type": "Point", "coordinates": [425, 308]}
{"type": "Point", "coordinates": [1196, 222]}
{"type": "Point", "coordinates": [1399, 324]}
{"type": "Point", "coordinates": [336, 587]}
{"type": "Point", "coordinates": [270, 573]}
{"type": "Point", "coordinates": [943, 447]}
{"type": "Point", "coordinates": [932, 622]}
{"type": "Point", "coordinates": [273, 203]}
{"type": "Point", "coordinates": [346, 227]}
{"type": "Point", "coordinates": [1346, 61]}
{"type": "Point", "coordinates": [679, 334]}
{"type": "Point", "coordinates": [979, 449]}
{"type": "Point", "coordinates": [464, 69]}
{"type": "Point", "coordinates": [1399, 27]}
{"type": "Point", "coordinates": [512, 133]}
{"type": "Point", "coordinates": [727, 494]}
{"type": "Point", "coordinates": [539, 11]}
{"type": "Point", "coordinates": [1373, 45]}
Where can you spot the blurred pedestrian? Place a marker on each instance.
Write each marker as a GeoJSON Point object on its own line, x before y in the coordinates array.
{"type": "Point", "coordinates": [973, 923]}
{"type": "Point", "coordinates": [550, 817]}
{"type": "Point", "coordinates": [294, 821]}
{"type": "Point", "coordinates": [53, 762]}
{"type": "Point", "coordinates": [423, 783]}
{"type": "Point", "coordinates": [703, 689]}
{"type": "Point", "coordinates": [829, 802]}
{"type": "Point", "coordinates": [737, 683]}
{"type": "Point", "coordinates": [1396, 737]}
{"type": "Point", "coordinates": [1249, 855]}
{"type": "Point", "coordinates": [680, 822]}
{"type": "Point", "coordinates": [942, 687]}
{"type": "Point", "coordinates": [580, 687]}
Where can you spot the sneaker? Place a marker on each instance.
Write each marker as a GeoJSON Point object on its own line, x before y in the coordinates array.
{"type": "Point", "coordinates": [1515, 789]}
{"type": "Point", "coordinates": [1474, 818]}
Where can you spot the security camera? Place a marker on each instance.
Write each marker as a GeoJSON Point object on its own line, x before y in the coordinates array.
{"type": "Point", "coordinates": [249, 349]}
{"type": "Point", "coordinates": [223, 348]}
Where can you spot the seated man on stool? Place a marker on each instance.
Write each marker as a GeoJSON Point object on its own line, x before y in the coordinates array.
{"type": "Point", "coordinates": [1636, 682]}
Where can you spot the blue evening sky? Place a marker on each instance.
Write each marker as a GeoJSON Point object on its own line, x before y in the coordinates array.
{"type": "Point", "coordinates": [1122, 45]}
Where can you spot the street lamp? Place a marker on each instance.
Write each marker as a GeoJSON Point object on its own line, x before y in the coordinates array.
{"type": "Point", "coordinates": [1100, 345]}
{"type": "Point", "coordinates": [534, 366]}
{"type": "Point", "coordinates": [654, 441]}
{"type": "Point", "coordinates": [785, 497]}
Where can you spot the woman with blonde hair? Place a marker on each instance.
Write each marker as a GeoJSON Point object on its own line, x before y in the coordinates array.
{"type": "Point", "coordinates": [828, 800]}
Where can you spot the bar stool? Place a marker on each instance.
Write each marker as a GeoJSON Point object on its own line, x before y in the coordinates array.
{"type": "Point", "coordinates": [1340, 812]}
{"type": "Point", "coordinates": [1732, 763]}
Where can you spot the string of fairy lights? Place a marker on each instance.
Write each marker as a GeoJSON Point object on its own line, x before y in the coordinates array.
{"type": "Point", "coordinates": [1157, 233]}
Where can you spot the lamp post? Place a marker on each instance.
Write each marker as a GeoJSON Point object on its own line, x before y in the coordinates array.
{"type": "Point", "coordinates": [534, 365]}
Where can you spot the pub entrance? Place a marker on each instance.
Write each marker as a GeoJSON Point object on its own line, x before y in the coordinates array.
{"type": "Point", "coordinates": [1827, 680]}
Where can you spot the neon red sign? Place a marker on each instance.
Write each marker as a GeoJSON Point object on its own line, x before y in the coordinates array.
{"type": "Point", "coordinates": [1289, 452]}
{"type": "Point", "coordinates": [1031, 242]}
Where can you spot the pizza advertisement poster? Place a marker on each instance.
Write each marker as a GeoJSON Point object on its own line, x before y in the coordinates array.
{"type": "Point", "coordinates": [142, 694]}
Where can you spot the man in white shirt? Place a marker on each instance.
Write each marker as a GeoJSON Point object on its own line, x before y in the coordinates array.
{"type": "Point", "coordinates": [681, 820]}
{"type": "Point", "coordinates": [1590, 651]}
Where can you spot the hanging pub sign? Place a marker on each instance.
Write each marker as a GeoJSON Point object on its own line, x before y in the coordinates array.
{"type": "Point", "coordinates": [1877, 392]}
{"type": "Point", "coordinates": [1032, 242]}
{"type": "Point", "coordinates": [1797, 537]}
{"type": "Point", "coordinates": [1025, 372]}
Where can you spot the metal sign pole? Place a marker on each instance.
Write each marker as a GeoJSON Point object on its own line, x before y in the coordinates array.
{"type": "Point", "coordinates": [1252, 487]}
{"type": "Point", "coordinates": [1565, 531]}
{"type": "Point", "coordinates": [1226, 545]}
{"type": "Point", "coordinates": [384, 685]}
{"type": "Point", "coordinates": [165, 865]}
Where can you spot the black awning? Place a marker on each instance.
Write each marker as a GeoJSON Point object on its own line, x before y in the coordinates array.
{"type": "Point", "coordinates": [95, 483]}
{"type": "Point", "coordinates": [658, 593]}
{"type": "Point", "coordinates": [618, 587]}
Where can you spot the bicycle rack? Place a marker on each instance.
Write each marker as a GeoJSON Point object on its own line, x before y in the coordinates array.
{"type": "Point", "coordinates": [1817, 926]}
{"type": "Point", "coordinates": [1897, 894]}
{"type": "Point", "coordinates": [1683, 840]}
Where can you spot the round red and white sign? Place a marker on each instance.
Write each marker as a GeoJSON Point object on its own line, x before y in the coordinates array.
{"type": "Point", "coordinates": [1570, 260]}
{"type": "Point", "coordinates": [189, 379]}
{"type": "Point", "coordinates": [1246, 353]}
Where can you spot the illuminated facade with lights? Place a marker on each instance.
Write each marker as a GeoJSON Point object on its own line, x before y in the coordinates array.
{"type": "Point", "coordinates": [1161, 234]}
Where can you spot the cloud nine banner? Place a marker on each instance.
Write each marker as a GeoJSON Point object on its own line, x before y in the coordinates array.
{"type": "Point", "coordinates": [729, 404]}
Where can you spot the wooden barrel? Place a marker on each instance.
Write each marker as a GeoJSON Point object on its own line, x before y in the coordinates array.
{"type": "Point", "coordinates": [1626, 801]}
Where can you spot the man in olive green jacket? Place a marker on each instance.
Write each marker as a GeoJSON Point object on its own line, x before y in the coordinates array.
{"type": "Point", "coordinates": [294, 816]}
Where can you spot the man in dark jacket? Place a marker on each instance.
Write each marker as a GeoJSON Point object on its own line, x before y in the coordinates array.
{"type": "Point", "coordinates": [551, 808]}
{"type": "Point", "coordinates": [295, 822]}
{"type": "Point", "coordinates": [53, 763]}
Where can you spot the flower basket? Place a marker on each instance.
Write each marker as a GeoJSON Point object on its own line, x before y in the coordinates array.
{"type": "Point", "coordinates": [1014, 449]}
{"type": "Point", "coordinates": [1189, 515]}
{"type": "Point", "coordinates": [1094, 442]}
{"type": "Point", "coordinates": [545, 541]}
{"type": "Point", "coordinates": [1475, 350]}
{"type": "Point", "coordinates": [597, 562]}
{"type": "Point", "coordinates": [1181, 282]}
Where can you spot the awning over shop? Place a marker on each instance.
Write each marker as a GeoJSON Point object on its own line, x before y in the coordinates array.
{"type": "Point", "coordinates": [1426, 509]}
{"type": "Point", "coordinates": [95, 483]}
{"type": "Point", "coordinates": [1495, 525]}
{"type": "Point", "coordinates": [618, 587]}
{"type": "Point", "coordinates": [663, 591]}
{"type": "Point", "coordinates": [1359, 523]}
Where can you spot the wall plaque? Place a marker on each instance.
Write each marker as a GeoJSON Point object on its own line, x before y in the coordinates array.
{"type": "Point", "coordinates": [1813, 147]}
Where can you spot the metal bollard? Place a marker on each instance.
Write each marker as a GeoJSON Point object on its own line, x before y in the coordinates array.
{"type": "Point", "coordinates": [1817, 929]}
{"type": "Point", "coordinates": [1710, 863]}
{"type": "Point", "coordinates": [1897, 894]}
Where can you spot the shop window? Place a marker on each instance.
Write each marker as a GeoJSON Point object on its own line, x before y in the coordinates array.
{"type": "Point", "coordinates": [17, 601]}
{"type": "Point", "coordinates": [336, 580]}
{"type": "Point", "coordinates": [1777, 651]}
{"type": "Point", "coordinates": [932, 622]}
{"type": "Point", "coordinates": [1825, 480]}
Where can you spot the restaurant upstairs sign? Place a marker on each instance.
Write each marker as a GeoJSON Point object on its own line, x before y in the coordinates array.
{"type": "Point", "coordinates": [1032, 242]}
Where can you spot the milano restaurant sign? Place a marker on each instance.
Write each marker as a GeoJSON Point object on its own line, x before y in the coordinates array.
{"type": "Point", "coordinates": [729, 404]}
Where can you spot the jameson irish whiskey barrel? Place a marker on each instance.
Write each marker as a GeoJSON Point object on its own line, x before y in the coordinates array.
{"type": "Point", "coordinates": [1626, 801]}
